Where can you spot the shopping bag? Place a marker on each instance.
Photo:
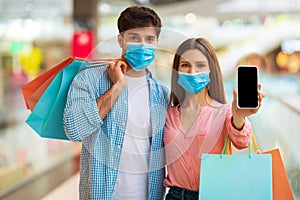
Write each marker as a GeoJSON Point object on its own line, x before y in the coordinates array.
{"type": "Point", "coordinates": [46, 118]}
{"type": "Point", "coordinates": [235, 176]}
{"type": "Point", "coordinates": [33, 90]}
{"type": "Point", "coordinates": [281, 186]}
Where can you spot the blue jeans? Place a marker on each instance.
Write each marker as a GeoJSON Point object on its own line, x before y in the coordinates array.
{"type": "Point", "coordinates": [177, 193]}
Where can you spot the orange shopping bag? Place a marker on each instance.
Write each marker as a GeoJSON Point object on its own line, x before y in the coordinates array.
{"type": "Point", "coordinates": [281, 186]}
{"type": "Point", "coordinates": [33, 90]}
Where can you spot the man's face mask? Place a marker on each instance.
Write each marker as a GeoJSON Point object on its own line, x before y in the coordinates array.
{"type": "Point", "coordinates": [193, 83]}
{"type": "Point", "coordinates": [139, 55]}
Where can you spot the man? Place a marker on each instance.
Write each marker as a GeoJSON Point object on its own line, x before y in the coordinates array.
{"type": "Point", "coordinates": [118, 112]}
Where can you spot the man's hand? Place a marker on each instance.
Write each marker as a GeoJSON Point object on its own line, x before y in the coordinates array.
{"type": "Point", "coordinates": [117, 71]}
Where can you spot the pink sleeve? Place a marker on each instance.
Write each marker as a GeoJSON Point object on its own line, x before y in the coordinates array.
{"type": "Point", "coordinates": [239, 138]}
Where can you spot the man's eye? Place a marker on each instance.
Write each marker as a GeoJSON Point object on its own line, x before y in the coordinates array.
{"type": "Point", "coordinates": [134, 38]}
{"type": "Point", "coordinates": [150, 39]}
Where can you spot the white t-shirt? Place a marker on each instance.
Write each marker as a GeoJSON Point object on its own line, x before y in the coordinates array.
{"type": "Point", "coordinates": [132, 180]}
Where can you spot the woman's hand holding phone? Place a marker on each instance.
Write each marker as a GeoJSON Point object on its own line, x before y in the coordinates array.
{"type": "Point", "coordinates": [247, 98]}
{"type": "Point", "coordinates": [238, 112]}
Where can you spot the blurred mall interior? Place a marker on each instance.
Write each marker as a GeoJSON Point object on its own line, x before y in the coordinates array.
{"type": "Point", "coordinates": [37, 35]}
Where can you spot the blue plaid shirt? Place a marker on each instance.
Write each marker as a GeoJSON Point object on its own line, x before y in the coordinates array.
{"type": "Point", "coordinates": [102, 139]}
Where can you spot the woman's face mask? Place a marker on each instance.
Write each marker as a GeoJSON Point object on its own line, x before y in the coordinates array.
{"type": "Point", "coordinates": [139, 55]}
{"type": "Point", "coordinates": [193, 83]}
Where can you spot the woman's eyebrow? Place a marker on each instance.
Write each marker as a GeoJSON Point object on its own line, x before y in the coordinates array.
{"type": "Point", "coordinates": [201, 62]}
{"type": "Point", "coordinates": [184, 61]}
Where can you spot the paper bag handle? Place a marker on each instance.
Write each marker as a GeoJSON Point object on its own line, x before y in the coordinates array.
{"type": "Point", "coordinates": [255, 143]}
{"type": "Point", "coordinates": [227, 149]}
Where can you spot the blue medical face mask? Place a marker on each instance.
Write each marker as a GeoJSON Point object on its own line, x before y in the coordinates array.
{"type": "Point", "coordinates": [193, 83]}
{"type": "Point", "coordinates": [139, 55]}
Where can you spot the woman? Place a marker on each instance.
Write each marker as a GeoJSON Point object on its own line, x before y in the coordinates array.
{"type": "Point", "coordinates": [198, 117]}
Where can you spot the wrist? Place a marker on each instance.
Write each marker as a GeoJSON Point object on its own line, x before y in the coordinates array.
{"type": "Point", "coordinates": [121, 83]}
{"type": "Point", "coordinates": [238, 122]}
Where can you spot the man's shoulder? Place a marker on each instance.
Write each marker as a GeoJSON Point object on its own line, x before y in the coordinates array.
{"type": "Point", "coordinates": [159, 83]}
{"type": "Point", "coordinates": [95, 67]}
{"type": "Point", "coordinates": [160, 90]}
{"type": "Point", "coordinates": [93, 70]}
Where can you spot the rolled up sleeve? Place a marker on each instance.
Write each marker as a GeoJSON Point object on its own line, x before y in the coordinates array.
{"type": "Point", "coordinates": [239, 138]}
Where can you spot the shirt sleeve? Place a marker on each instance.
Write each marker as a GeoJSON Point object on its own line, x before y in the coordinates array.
{"type": "Point", "coordinates": [239, 138]}
{"type": "Point", "coordinates": [81, 116]}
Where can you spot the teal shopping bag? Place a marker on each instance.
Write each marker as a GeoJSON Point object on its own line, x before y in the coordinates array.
{"type": "Point", "coordinates": [236, 176]}
{"type": "Point", "coordinates": [46, 118]}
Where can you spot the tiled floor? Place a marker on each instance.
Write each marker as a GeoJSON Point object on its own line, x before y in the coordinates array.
{"type": "Point", "coordinates": [68, 190]}
{"type": "Point", "coordinates": [42, 184]}
{"type": "Point", "coordinates": [30, 166]}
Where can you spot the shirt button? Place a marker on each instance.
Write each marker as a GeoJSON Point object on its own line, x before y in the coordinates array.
{"type": "Point", "coordinates": [125, 102]}
{"type": "Point", "coordinates": [119, 146]}
{"type": "Point", "coordinates": [115, 169]}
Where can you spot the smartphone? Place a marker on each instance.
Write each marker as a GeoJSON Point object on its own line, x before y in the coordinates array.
{"type": "Point", "coordinates": [247, 86]}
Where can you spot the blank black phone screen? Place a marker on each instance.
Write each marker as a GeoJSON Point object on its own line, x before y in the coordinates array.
{"type": "Point", "coordinates": [247, 80]}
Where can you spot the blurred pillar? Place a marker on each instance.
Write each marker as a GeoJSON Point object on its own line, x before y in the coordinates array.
{"type": "Point", "coordinates": [85, 18]}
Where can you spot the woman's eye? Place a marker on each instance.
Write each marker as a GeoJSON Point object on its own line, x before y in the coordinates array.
{"type": "Point", "coordinates": [201, 65]}
{"type": "Point", "coordinates": [184, 65]}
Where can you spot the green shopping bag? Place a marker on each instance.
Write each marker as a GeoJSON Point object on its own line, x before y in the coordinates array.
{"type": "Point", "coordinates": [46, 118]}
{"type": "Point", "coordinates": [236, 176]}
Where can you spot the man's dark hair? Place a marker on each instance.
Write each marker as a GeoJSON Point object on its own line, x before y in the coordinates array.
{"type": "Point", "coordinates": [138, 17]}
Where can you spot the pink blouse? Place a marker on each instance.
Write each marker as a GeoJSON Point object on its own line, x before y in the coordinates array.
{"type": "Point", "coordinates": [207, 135]}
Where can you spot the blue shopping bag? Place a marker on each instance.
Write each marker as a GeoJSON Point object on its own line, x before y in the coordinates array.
{"type": "Point", "coordinates": [236, 176]}
{"type": "Point", "coordinates": [46, 118]}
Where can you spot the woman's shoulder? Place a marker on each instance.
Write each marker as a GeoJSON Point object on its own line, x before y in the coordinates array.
{"type": "Point", "coordinates": [172, 110]}
{"type": "Point", "coordinates": [215, 105]}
